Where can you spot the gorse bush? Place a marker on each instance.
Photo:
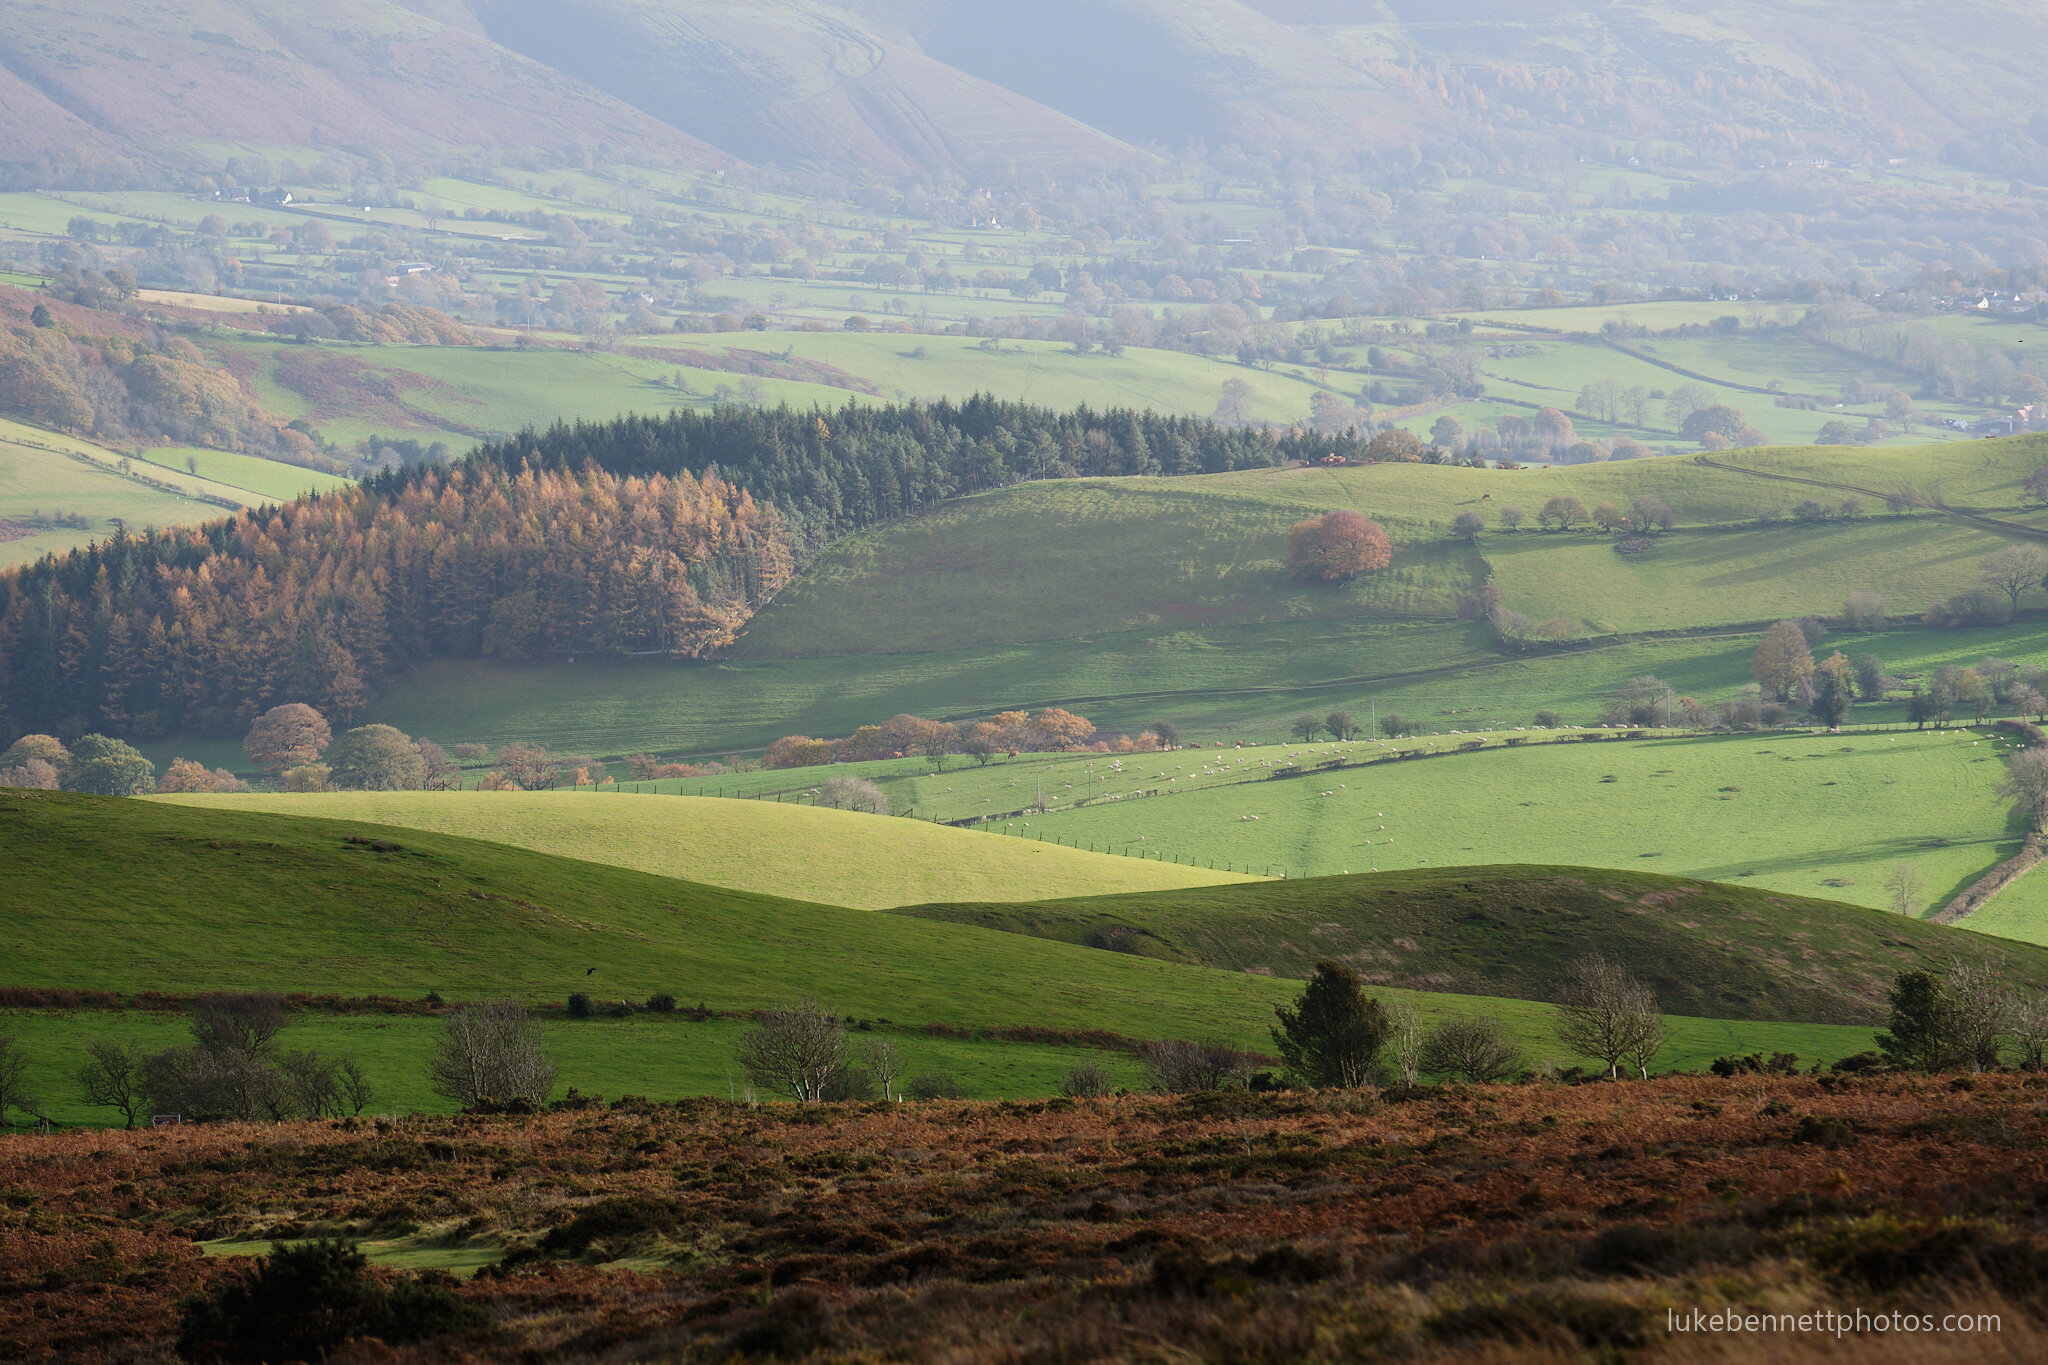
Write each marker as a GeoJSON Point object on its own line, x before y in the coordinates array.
{"type": "Point", "coordinates": [301, 1302]}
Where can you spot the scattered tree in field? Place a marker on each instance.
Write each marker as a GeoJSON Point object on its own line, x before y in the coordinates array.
{"type": "Point", "coordinates": [2025, 785]}
{"type": "Point", "coordinates": [1649, 513]}
{"type": "Point", "coordinates": [1644, 700]}
{"type": "Point", "coordinates": [1394, 725]}
{"type": "Point", "coordinates": [233, 1068]}
{"type": "Point", "coordinates": [46, 749]}
{"type": "Point", "coordinates": [1340, 725]}
{"type": "Point", "coordinates": [1871, 678]}
{"type": "Point", "coordinates": [2028, 701]}
{"type": "Point", "coordinates": [1834, 690]}
{"type": "Point", "coordinates": [1333, 1034]}
{"type": "Point", "coordinates": [1607, 516]}
{"type": "Point", "coordinates": [1783, 660]}
{"type": "Point", "coordinates": [1476, 1047]}
{"type": "Point", "coordinates": [1181, 1066]}
{"type": "Point", "coordinates": [882, 1063]}
{"type": "Point", "coordinates": [1562, 513]}
{"type": "Point", "coordinates": [288, 736]}
{"type": "Point", "coordinates": [1510, 517]}
{"type": "Point", "coordinates": [1337, 547]}
{"type": "Point", "coordinates": [2034, 488]}
{"type": "Point", "coordinates": [491, 1054]}
{"type": "Point", "coordinates": [1088, 1081]}
{"type": "Point", "coordinates": [441, 771]}
{"type": "Point", "coordinates": [1603, 1011]}
{"type": "Point", "coordinates": [2027, 1026]}
{"type": "Point", "coordinates": [1940, 1023]}
{"type": "Point", "coordinates": [799, 751]}
{"type": "Point", "coordinates": [1305, 728]}
{"type": "Point", "coordinates": [1168, 734]}
{"type": "Point", "coordinates": [1467, 525]}
{"type": "Point", "coordinates": [852, 793]}
{"type": "Point", "coordinates": [529, 767]}
{"type": "Point", "coordinates": [34, 774]}
{"type": "Point", "coordinates": [1864, 611]}
{"type": "Point", "coordinates": [1903, 887]}
{"type": "Point", "coordinates": [378, 758]}
{"type": "Point", "coordinates": [112, 1079]}
{"type": "Point", "coordinates": [795, 1049]}
{"type": "Point", "coordinates": [1406, 1033]}
{"type": "Point", "coordinates": [1548, 720]}
{"type": "Point", "coordinates": [15, 1094]}
{"type": "Point", "coordinates": [185, 775]}
{"type": "Point", "coordinates": [979, 748]}
{"type": "Point", "coordinates": [2013, 571]}
{"type": "Point", "coordinates": [108, 767]}
{"type": "Point", "coordinates": [1716, 419]}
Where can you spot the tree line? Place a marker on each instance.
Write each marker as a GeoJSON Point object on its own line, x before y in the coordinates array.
{"type": "Point", "coordinates": [832, 472]}
{"type": "Point", "coordinates": [203, 628]}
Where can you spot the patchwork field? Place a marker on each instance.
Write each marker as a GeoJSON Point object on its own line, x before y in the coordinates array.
{"type": "Point", "coordinates": [43, 475]}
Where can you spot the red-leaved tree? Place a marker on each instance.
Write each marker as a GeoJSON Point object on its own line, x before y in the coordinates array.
{"type": "Point", "coordinates": [1337, 547]}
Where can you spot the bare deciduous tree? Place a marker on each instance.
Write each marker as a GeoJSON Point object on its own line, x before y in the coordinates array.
{"type": "Point", "coordinates": [1903, 888]}
{"type": "Point", "coordinates": [112, 1078]}
{"type": "Point", "coordinates": [1088, 1081]}
{"type": "Point", "coordinates": [796, 1049]}
{"type": "Point", "coordinates": [2013, 570]}
{"type": "Point", "coordinates": [852, 793]}
{"type": "Point", "coordinates": [1603, 1011]}
{"type": "Point", "coordinates": [491, 1053]}
{"type": "Point", "coordinates": [883, 1063]}
{"type": "Point", "coordinates": [1180, 1065]}
{"type": "Point", "coordinates": [1475, 1047]}
{"type": "Point", "coordinates": [14, 1087]}
{"type": "Point", "coordinates": [2027, 1025]}
{"type": "Point", "coordinates": [1406, 1038]}
{"type": "Point", "coordinates": [2026, 785]}
{"type": "Point", "coordinates": [1978, 1011]}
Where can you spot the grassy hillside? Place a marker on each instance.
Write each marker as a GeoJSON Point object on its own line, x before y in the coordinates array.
{"type": "Point", "coordinates": [1511, 931]}
{"type": "Point", "coordinates": [1040, 561]}
{"type": "Point", "coordinates": [43, 474]}
{"type": "Point", "coordinates": [135, 896]}
{"type": "Point", "coordinates": [1806, 814]}
{"type": "Point", "coordinates": [176, 899]}
{"type": "Point", "coordinates": [794, 851]}
{"type": "Point", "coordinates": [1241, 682]}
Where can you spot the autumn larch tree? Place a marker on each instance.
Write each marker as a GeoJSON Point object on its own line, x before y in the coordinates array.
{"type": "Point", "coordinates": [1782, 660]}
{"type": "Point", "coordinates": [1337, 547]}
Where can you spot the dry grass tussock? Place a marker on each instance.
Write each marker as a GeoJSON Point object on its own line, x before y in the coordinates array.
{"type": "Point", "coordinates": [1526, 1223]}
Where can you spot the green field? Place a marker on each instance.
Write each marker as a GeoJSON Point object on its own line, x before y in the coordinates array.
{"type": "Point", "coordinates": [266, 479]}
{"type": "Point", "coordinates": [1233, 683]}
{"type": "Point", "coordinates": [1810, 814]}
{"type": "Point", "coordinates": [1057, 559]}
{"type": "Point", "coordinates": [43, 474]}
{"type": "Point", "coordinates": [131, 896]}
{"type": "Point", "coordinates": [796, 851]}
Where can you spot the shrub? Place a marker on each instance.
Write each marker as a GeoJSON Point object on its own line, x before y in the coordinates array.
{"type": "Point", "coordinates": [1634, 545]}
{"type": "Point", "coordinates": [852, 793]}
{"type": "Point", "coordinates": [1475, 1047]}
{"type": "Point", "coordinates": [579, 1005]}
{"type": "Point", "coordinates": [1180, 1066]}
{"type": "Point", "coordinates": [934, 1085]}
{"type": "Point", "coordinates": [1089, 1081]}
{"type": "Point", "coordinates": [661, 1002]}
{"type": "Point", "coordinates": [301, 1302]}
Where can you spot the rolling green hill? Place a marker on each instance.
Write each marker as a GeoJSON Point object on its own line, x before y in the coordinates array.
{"type": "Point", "coordinates": [1058, 559]}
{"type": "Point", "coordinates": [799, 852]}
{"type": "Point", "coordinates": [136, 896]}
{"type": "Point", "coordinates": [1512, 930]}
{"type": "Point", "coordinates": [43, 474]}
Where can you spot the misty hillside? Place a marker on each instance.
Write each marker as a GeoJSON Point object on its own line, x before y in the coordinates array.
{"type": "Point", "coordinates": [902, 85]}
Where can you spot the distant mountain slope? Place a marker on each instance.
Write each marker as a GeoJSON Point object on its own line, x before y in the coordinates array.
{"type": "Point", "coordinates": [99, 81]}
{"type": "Point", "coordinates": [791, 81]}
{"type": "Point", "coordinates": [900, 85]}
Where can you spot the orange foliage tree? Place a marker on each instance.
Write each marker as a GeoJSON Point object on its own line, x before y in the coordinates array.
{"type": "Point", "coordinates": [1337, 547]}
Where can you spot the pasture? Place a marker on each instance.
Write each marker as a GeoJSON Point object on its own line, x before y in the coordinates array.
{"type": "Point", "coordinates": [1805, 813]}
{"type": "Point", "coordinates": [1237, 683]}
{"type": "Point", "coordinates": [43, 474]}
{"type": "Point", "coordinates": [266, 480]}
{"type": "Point", "coordinates": [779, 849]}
